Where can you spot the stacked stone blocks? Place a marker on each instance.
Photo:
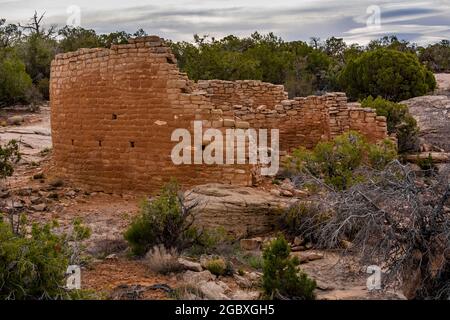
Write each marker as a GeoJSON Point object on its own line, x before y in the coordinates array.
{"type": "Point", "coordinates": [113, 112]}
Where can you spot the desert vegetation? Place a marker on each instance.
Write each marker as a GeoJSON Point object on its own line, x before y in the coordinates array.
{"type": "Point", "coordinates": [304, 68]}
{"type": "Point", "coordinates": [281, 278]}
{"type": "Point", "coordinates": [390, 215]}
{"type": "Point", "coordinates": [166, 221]}
{"type": "Point", "coordinates": [347, 197]}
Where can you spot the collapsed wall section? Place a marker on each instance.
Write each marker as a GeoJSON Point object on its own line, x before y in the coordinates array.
{"type": "Point", "coordinates": [302, 121]}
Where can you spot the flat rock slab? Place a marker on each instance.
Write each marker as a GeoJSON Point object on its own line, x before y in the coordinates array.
{"type": "Point", "coordinates": [33, 137]}
{"type": "Point", "coordinates": [241, 211]}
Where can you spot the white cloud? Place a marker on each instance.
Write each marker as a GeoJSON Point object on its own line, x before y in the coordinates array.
{"type": "Point", "coordinates": [421, 21]}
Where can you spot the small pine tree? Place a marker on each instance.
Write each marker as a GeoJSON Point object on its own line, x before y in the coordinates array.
{"type": "Point", "coordinates": [165, 220]}
{"type": "Point", "coordinates": [281, 277]}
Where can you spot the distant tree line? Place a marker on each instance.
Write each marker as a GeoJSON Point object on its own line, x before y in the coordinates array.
{"type": "Point", "coordinates": [390, 68]}
{"type": "Point", "coordinates": [26, 52]}
{"type": "Point", "coordinates": [387, 67]}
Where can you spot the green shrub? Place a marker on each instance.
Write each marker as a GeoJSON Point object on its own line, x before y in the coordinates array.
{"type": "Point", "coordinates": [399, 121]}
{"type": "Point", "coordinates": [33, 265]}
{"type": "Point", "coordinates": [255, 261]}
{"type": "Point", "coordinates": [74, 38]}
{"type": "Point", "coordinates": [14, 80]}
{"type": "Point", "coordinates": [43, 87]}
{"type": "Point", "coordinates": [336, 161]}
{"type": "Point", "coordinates": [9, 155]}
{"type": "Point", "coordinates": [391, 74]}
{"type": "Point", "coordinates": [37, 52]}
{"type": "Point", "coordinates": [427, 164]}
{"type": "Point", "coordinates": [436, 56]}
{"type": "Point", "coordinates": [162, 221]}
{"type": "Point", "coordinates": [250, 258]}
{"type": "Point", "coordinates": [281, 279]}
{"type": "Point", "coordinates": [211, 238]}
{"type": "Point", "coordinates": [379, 155]}
{"type": "Point", "coordinates": [213, 241]}
{"type": "Point", "coordinates": [217, 267]}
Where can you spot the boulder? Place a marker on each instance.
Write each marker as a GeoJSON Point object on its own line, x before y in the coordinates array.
{"type": "Point", "coordinates": [286, 193]}
{"type": "Point", "coordinates": [253, 277]}
{"type": "Point", "coordinates": [245, 295]}
{"type": "Point", "coordinates": [275, 192]}
{"type": "Point", "coordinates": [241, 211]}
{"type": "Point", "coordinates": [39, 207]}
{"type": "Point", "coordinates": [432, 114]}
{"type": "Point", "coordinates": [36, 199]}
{"type": "Point", "coordinates": [324, 286]}
{"type": "Point", "coordinates": [298, 241]}
{"type": "Point", "coordinates": [242, 281]}
{"type": "Point", "coordinates": [287, 185]}
{"type": "Point", "coordinates": [196, 277]}
{"type": "Point", "coordinates": [306, 256]}
{"type": "Point", "coordinates": [212, 290]}
{"type": "Point", "coordinates": [250, 244]}
{"type": "Point", "coordinates": [190, 265]}
{"type": "Point", "coordinates": [15, 120]}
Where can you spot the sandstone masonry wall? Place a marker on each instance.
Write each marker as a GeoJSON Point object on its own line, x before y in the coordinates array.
{"type": "Point", "coordinates": [302, 121]}
{"type": "Point", "coordinates": [113, 112]}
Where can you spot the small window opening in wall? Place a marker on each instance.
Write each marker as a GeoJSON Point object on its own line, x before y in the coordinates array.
{"type": "Point", "coordinates": [132, 144]}
{"type": "Point", "coordinates": [72, 141]}
{"type": "Point", "coordinates": [99, 143]}
{"type": "Point", "coordinates": [114, 116]}
{"type": "Point", "coordinates": [170, 60]}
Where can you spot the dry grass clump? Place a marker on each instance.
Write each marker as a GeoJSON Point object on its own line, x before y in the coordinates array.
{"type": "Point", "coordinates": [162, 260]}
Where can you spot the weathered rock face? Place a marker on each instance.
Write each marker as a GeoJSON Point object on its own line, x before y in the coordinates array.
{"type": "Point", "coordinates": [433, 117]}
{"type": "Point", "coordinates": [443, 83]}
{"type": "Point", "coordinates": [242, 211]}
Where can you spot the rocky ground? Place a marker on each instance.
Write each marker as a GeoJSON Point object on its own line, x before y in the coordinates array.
{"type": "Point", "coordinates": [111, 273]}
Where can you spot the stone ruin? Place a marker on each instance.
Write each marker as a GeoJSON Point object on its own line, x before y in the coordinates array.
{"type": "Point", "coordinates": [113, 112]}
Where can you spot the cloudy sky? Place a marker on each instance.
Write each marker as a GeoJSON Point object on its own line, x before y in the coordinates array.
{"type": "Point", "coordinates": [355, 20]}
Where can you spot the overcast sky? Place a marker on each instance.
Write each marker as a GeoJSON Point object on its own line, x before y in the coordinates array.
{"type": "Point", "coordinates": [355, 20]}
